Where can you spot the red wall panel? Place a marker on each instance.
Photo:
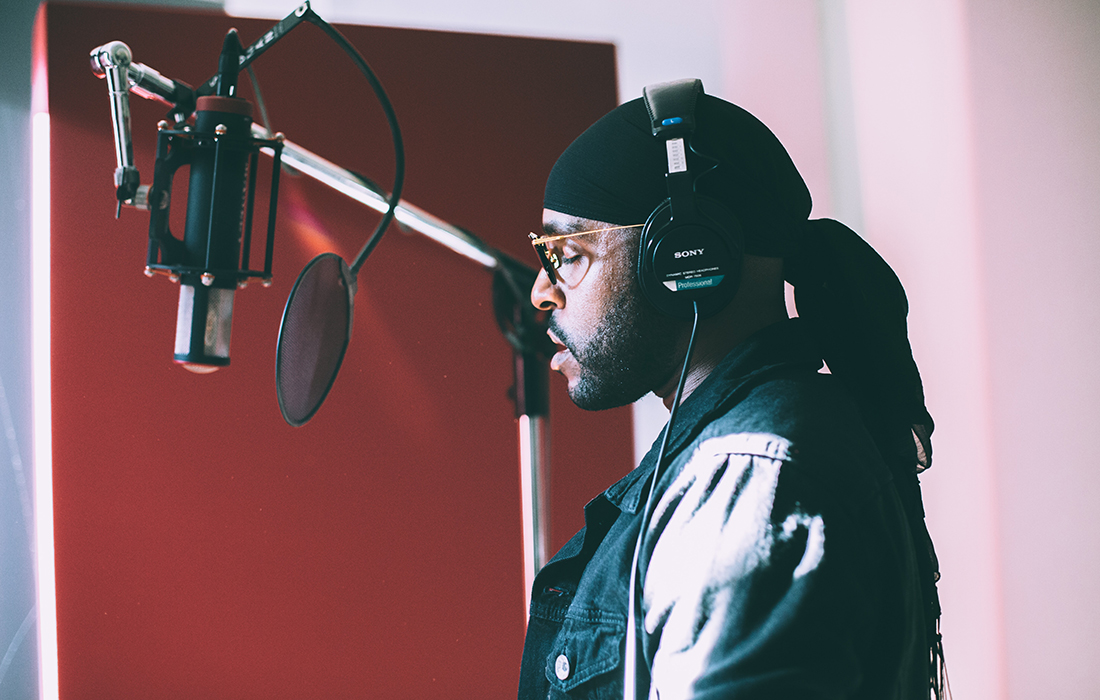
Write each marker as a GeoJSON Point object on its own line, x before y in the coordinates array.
{"type": "Point", "coordinates": [206, 549]}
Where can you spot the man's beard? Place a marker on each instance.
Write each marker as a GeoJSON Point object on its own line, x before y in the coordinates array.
{"type": "Point", "coordinates": [632, 352]}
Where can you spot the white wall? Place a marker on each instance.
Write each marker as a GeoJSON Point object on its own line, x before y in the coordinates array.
{"type": "Point", "coordinates": [18, 612]}
{"type": "Point", "coordinates": [655, 42]}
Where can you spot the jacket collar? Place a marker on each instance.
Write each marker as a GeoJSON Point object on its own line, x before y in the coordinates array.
{"type": "Point", "coordinates": [779, 346]}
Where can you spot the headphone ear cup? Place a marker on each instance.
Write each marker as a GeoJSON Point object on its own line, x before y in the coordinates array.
{"type": "Point", "coordinates": [698, 260]}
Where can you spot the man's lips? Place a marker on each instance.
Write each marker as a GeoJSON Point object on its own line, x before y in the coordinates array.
{"type": "Point", "coordinates": [561, 355]}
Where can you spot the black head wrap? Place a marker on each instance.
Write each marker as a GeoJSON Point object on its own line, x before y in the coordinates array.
{"type": "Point", "coordinates": [615, 172]}
{"type": "Point", "coordinates": [854, 303]}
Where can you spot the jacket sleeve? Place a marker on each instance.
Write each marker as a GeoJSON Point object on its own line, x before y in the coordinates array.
{"type": "Point", "coordinates": [748, 591]}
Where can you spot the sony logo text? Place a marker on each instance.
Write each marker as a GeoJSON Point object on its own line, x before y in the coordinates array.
{"type": "Point", "coordinates": [688, 253]}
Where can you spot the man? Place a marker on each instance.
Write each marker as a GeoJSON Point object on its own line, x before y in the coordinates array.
{"type": "Point", "coordinates": [782, 552]}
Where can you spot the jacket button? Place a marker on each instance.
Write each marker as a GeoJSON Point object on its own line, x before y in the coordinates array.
{"type": "Point", "coordinates": [561, 667]}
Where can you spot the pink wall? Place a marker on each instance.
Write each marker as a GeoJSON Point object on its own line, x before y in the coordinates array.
{"type": "Point", "coordinates": [916, 155]}
{"type": "Point", "coordinates": [772, 67]}
{"type": "Point", "coordinates": [1036, 97]}
{"type": "Point", "coordinates": [971, 129]}
{"type": "Point", "coordinates": [874, 95]}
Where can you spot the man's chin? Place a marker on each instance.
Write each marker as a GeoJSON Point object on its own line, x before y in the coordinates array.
{"type": "Point", "coordinates": [587, 396]}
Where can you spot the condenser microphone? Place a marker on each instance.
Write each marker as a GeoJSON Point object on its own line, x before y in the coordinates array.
{"type": "Point", "coordinates": [216, 193]}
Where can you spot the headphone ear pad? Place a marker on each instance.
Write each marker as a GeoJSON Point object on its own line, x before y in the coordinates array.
{"type": "Point", "coordinates": [699, 260]}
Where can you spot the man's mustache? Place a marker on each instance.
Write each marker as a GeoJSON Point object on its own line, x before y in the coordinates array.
{"type": "Point", "coordinates": [561, 335]}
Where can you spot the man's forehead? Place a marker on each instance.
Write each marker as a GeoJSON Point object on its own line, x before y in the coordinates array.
{"type": "Point", "coordinates": [556, 223]}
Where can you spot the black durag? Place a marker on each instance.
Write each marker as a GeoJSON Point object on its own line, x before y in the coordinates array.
{"type": "Point", "coordinates": [844, 291]}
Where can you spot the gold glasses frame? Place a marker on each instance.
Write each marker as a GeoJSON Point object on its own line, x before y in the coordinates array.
{"type": "Point", "coordinates": [550, 259]}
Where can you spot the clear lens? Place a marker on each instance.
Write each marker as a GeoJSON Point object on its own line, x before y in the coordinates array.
{"type": "Point", "coordinates": [564, 262]}
{"type": "Point", "coordinates": [570, 265]}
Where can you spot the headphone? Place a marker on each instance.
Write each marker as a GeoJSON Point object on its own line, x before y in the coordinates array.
{"type": "Point", "coordinates": [691, 247]}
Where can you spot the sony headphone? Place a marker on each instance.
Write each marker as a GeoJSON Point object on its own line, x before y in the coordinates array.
{"type": "Point", "coordinates": [691, 246]}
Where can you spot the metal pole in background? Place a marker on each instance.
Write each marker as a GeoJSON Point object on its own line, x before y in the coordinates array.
{"type": "Point", "coordinates": [533, 417]}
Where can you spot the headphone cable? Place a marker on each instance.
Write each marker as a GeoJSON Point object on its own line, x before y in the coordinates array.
{"type": "Point", "coordinates": [633, 648]}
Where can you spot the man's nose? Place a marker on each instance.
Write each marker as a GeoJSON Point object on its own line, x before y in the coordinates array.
{"type": "Point", "coordinates": [546, 296]}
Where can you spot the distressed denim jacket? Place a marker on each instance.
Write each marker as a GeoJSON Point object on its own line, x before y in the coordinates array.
{"type": "Point", "coordinates": [777, 562]}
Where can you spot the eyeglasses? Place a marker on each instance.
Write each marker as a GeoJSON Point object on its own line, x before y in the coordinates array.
{"type": "Point", "coordinates": [570, 270]}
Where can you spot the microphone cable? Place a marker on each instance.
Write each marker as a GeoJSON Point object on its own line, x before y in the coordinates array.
{"type": "Point", "coordinates": [634, 651]}
{"type": "Point", "coordinates": [395, 133]}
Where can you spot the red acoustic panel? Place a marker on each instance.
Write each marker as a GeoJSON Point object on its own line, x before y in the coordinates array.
{"type": "Point", "coordinates": [205, 548]}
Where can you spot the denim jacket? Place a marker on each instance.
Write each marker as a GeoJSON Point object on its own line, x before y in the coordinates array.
{"type": "Point", "coordinates": [777, 562]}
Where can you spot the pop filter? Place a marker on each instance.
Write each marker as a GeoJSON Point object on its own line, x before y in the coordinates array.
{"type": "Point", "coordinates": [313, 336]}
{"type": "Point", "coordinates": [316, 325]}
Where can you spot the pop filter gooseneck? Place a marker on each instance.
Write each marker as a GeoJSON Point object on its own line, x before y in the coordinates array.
{"type": "Point", "coordinates": [317, 320]}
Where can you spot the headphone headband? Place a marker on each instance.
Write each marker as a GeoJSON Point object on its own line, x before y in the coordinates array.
{"type": "Point", "coordinates": [690, 249]}
{"type": "Point", "coordinates": [671, 106]}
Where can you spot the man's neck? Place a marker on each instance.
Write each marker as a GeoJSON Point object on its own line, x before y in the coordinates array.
{"type": "Point", "coordinates": [759, 303]}
{"type": "Point", "coordinates": [709, 351]}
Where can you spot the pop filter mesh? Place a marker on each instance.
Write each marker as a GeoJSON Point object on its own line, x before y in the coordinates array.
{"type": "Point", "coordinates": [313, 337]}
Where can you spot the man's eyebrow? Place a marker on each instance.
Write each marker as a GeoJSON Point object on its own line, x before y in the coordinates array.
{"type": "Point", "coordinates": [556, 228]}
{"type": "Point", "coordinates": [553, 230]}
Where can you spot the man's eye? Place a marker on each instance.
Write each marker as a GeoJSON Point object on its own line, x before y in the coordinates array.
{"type": "Point", "coordinates": [571, 259]}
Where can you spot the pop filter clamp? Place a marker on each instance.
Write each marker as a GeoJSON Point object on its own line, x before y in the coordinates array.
{"type": "Point", "coordinates": [523, 327]}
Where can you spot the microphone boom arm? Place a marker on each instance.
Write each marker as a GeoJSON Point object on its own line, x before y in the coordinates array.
{"type": "Point", "coordinates": [113, 61]}
{"type": "Point", "coordinates": [351, 185]}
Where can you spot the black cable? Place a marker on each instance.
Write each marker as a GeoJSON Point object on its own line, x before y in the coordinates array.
{"type": "Point", "coordinates": [265, 120]}
{"type": "Point", "coordinates": [675, 403]}
{"type": "Point", "coordinates": [631, 665]}
{"type": "Point", "coordinates": [395, 131]}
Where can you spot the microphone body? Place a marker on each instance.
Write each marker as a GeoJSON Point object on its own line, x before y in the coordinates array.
{"type": "Point", "coordinates": [211, 251]}
{"type": "Point", "coordinates": [211, 260]}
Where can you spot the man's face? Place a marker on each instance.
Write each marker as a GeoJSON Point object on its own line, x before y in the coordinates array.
{"type": "Point", "coordinates": [614, 347]}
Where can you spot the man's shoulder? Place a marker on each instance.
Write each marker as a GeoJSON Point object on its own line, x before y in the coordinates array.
{"type": "Point", "coordinates": [808, 421]}
{"type": "Point", "coordinates": [801, 406]}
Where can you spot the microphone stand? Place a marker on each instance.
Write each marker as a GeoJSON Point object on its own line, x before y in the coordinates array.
{"type": "Point", "coordinates": [521, 325]}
